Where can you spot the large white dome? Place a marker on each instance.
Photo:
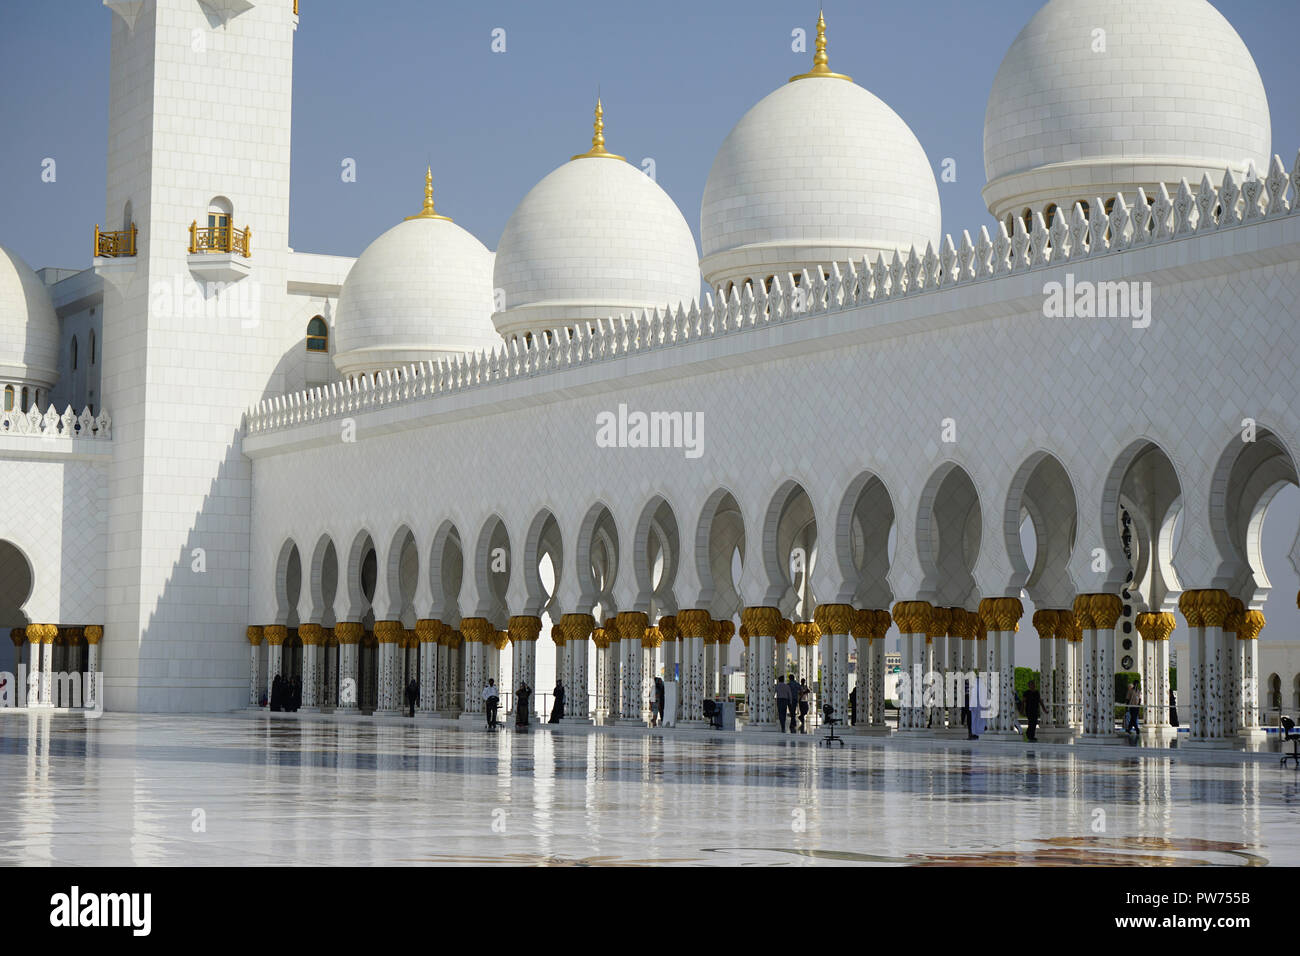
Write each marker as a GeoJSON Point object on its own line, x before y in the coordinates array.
{"type": "Point", "coordinates": [420, 292]}
{"type": "Point", "coordinates": [29, 326]}
{"type": "Point", "coordinates": [818, 171]}
{"type": "Point", "coordinates": [1174, 94]}
{"type": "Point", "coordinates": [596, 237]}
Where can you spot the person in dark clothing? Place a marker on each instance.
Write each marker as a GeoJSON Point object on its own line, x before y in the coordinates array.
{"type": "Point", "coordinates": [1173, 709]}
{"type": "Point", "coordinates": [277, 693]}
{"type": "Point", "coordinates": [557, 709]}
{"type": "Point", "coordinates": [659, 699]}
{"type": "Point", "coordinates": [522, 696]}
{"type": "Point", "coordinates": [412, 695]}
{"type": "Point", "coordinates": [782, 700]}
{"type": "Point", "coordinates": [853, 707]}
{"type": "Point", "coordinates": [1033, 704]}
{"type": "Point", "coordinates": [296, 695]}
{"type": "Point", "coordinates": [792, 688]}
{"type": "Point", "coordinates": [805, 698]}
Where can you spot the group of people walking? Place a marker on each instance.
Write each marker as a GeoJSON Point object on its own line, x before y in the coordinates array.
{"type": "Point", "coordinates": [286, 693]}
{"type": "Point", "coordinates": [792, 701]}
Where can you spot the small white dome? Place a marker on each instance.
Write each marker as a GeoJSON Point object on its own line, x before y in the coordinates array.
{"type": "Point", "coordinates": [819, 171]}
{"type": "Point", "coordinates": [595, 238]}
{"type": "Point", "coordinates": [29, 326]}
{"type": "Point", "coordinates": [420, 292]}
{"type": "Point", "coordinates": [1175, 93]}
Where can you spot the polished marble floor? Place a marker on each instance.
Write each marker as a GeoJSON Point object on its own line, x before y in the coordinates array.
{"type": "Point", "coordinates": [198, 790]}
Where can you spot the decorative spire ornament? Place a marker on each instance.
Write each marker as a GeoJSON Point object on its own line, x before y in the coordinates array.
{"type": "Point", "coordinates": [428, 211]}
{"type": "Point", "coordinates": [821, 63]}
{"type": "Point", "coordinates": [598, 150]}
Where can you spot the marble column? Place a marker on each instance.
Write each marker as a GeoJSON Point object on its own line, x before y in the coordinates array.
{"type": "Point", "coordinates": [1044, 622]}
{"type": "Point", "coordinates": [613, 671]}
{"type": "Point", "coordinates": [913, 619]}
{"type": "Point", "coordinates": [311, 635]}
{"type": "Point", "coordinates": [1248, 630]}
{"type": "Point", "coordinates": [936, 661]}
{"type": "Point", "coordinates": [599, 639]}
{"type": "Point", "coordinates": [723, 631]}
{"type": "Point", "coordinates": [275, 635]}
{"type": "Point", "coordinates": [427, 632]}
{"type": "Point", "coordinates": [1155, 629]}
{"type": "Point", "coordinates": [881, 621]}
{"type": "Point", "coordinates": [577, 631]}
{"type": "Point", "coordinates": [1207, 611]}
{"type": "Point", "coordinates": [94, 634]}
{"type": "Point", "coordinates": [349, 635]}
{"type": "Point", "coordinates": [763, 624]}
{"type": "Point", "coordinates": [631, 629]}
{"type": "Point", "coordinates": [835, 622]}
{"type": "Point", "coordinates": [955, 674]}
{"type": "Point", "coordinates": [1001, 616]}
{"type": "Point", "coordinates": [694, 624]}
{"type": "Point", "coordinates": [446, 675]}
{"type": "Point", "coordinates": [523, 632]}
{"type": "Point", "coordinates": [478, 633]}
{"type": "Point", "coordinates": [672, 656]}
{"type": "Point", "coordinates": [388, 634]}
{"type": "Point", "coordinates": [330, 668]}
{"type": "Point", "coordinates": [254, 634]}
{"type": "Point", "coordinates": [710, 642]}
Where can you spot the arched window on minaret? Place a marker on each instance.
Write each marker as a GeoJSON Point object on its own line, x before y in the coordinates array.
{"type": "Point", "coordinates": [318, 335]}
{"type": "Point", "coordinates": [9, 398]}
{"type": "Point", "coordinates": [92, 346]}
{"type": "Point", "coordinates": [74, 353]}
{"type": "Point", "coordinates": [221, 214]}
{"type": "Point", "coordinates": [24, 399]}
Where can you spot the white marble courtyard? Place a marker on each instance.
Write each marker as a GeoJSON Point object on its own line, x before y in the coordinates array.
{"type": "Point", "coordinates": [255, 790]}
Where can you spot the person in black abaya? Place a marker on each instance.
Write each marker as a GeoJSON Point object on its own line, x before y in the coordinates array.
{"type": "Point", "coordinates": [557, 709]}
{"type": "Point", "coordinates": [277, 693]}
{"type": "Point", "coordinates": [412, 695]}
{"type": "Point", "coordinates": [522, 696]}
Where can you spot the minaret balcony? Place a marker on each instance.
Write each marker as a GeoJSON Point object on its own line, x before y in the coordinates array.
{"type": "Point", "coordinates": [220, 253]}
{"type": "Point", "coordinates": [115, 255]}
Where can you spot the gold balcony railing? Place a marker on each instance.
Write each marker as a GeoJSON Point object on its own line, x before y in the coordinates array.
{"type": "Point", "coordinates": [111, 245]}
{"type": "Point", "coordinates": [221, 239]}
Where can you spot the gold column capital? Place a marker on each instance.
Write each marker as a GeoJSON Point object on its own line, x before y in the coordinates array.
{"type": "Point", "coordinates": [807, 633]}
{"type": "Point", "coordinates": [1044, 621]}
{"type": "Point", "coordinates": [478, 630]}
{"type": "Point", "coordinates": [599, 638]}
{"type": "Point", "coordinates": [743, 634]}
{"type": "Point", "coordinates": [652, 637]}
{"type": "Point", "coordinates": [940, 618]}
{"type": "Point", "coordinates": [94, 633]}
{"type": "Point", "coordinates": [348, 632]}
{"type": "Point", "coordinates": [762, 621]}
{"type": "Point", "coordinates": [577, 627]}
{"type": "Point", "coordinates": [428, 630]}
{"type": "Point", "coordinates": [1214, 604]}
{"type": "Point", "coordinates": [631, 625]}
{"type": "Point", "coordinates": [1252, 622]}
{"type": "Point", "coordinates": [18, 635]}
{"type": "Point", "coordinates": [723, 631]}
{"type": "Point", "coordinates": [254, 633]}
{"type": "Point", "coordinates": [311, 634]}
{"type": "Point", "coordinates": [668, 627]}
{"type": "Point", "coordinates": [275, 634]}
{"type": "Point", "coordinates": [913, 617]}
{"type": "Point", "coordinates": [1083, 612]}
{"type": "Point", "coordinates": [388, 632]}
{"type": "Point", "coordinates": [524, 627]}
{"type": "Point", "coordinates": [695, 623]}
{"type": "Point", "coordinates": [558, 637]}
{"type": "Point", "coordinates": [784, 630]}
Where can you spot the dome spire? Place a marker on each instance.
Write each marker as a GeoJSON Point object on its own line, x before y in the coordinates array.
{"type": "Point", "coordinates": [821, 63]}
{"type": "Point", "coordinates": [598, 137]}
{"type": "Point", "coordinates": [428, 211]}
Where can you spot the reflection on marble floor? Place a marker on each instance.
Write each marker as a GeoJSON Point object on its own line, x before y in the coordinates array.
{"type": "Point", "coordinates": [200, 790]}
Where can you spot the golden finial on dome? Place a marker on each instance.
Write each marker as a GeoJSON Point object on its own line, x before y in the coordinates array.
{"type": "Point", "coordinates": [598, 138]}
{"type": "Point", "coordinates": [821, 63]}
{"type": "Point", "coordinates": [428, 212]}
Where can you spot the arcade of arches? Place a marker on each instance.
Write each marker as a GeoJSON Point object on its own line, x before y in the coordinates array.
{"type": "Point", "coordinates": [328, 636]}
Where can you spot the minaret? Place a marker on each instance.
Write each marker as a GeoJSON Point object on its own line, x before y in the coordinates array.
{"type": "Point", "coordinates": [194, 331]}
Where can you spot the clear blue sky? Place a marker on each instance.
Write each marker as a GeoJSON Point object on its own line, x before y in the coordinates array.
{"type": "Point", "coordinates": [396, 84]}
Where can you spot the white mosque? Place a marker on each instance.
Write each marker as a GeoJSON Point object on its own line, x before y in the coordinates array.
{"type": "Point", "coordinates": [228, 459]}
